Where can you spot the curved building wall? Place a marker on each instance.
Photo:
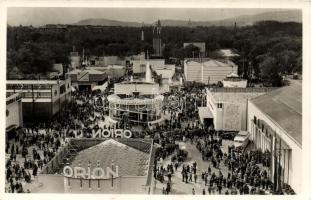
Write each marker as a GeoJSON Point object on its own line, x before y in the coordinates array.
{"type": "Point", "coordinates": [140, 110]}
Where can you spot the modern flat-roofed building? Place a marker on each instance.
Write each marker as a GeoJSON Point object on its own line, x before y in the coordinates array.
{"type": "Point", "coordinates": [41, 99]}
{"type": "Point", "coordinates": [208, 71]}
{"type": "Point", "coordinates": [275, 126]}
{"type": "Point", "coordinates": [226, 108]}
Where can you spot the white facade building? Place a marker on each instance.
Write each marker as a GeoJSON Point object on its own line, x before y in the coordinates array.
{"type": "Point", "coordinates": [208, 71]}
{"type": "Point", "coordinates": [228, 107]}
{"type": "Point", "coordinates": [41, 98]}
{"type": "Point", "coordinates": [275, 125]}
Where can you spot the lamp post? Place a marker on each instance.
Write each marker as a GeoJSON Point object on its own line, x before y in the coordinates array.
{"type": "Point", "coordinates": [98, 181]}
{"type": "Point", "coordinates": [89, 169]}
{"type": "Point", "coordinates": [112, 166]}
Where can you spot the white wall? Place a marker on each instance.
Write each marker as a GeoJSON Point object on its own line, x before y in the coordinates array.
{"type": "Point", "coordinates": [193, 71]}
{"type": "Point", "coordinates": [211, 74]}
{"type": "Point", "coordinates": [231, 117]}
{"type": "Point", "coordinates": [15, 114]}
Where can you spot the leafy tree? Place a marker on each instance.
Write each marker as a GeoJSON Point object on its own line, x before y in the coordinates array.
{"type": "Point", "coordinates": [34, 50]}
{"type": "Point", "coordinates": [270, 71]}
{"type": "Point", "coordinates": [191, 50]}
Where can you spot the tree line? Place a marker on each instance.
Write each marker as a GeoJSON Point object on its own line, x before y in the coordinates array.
{"type": "Point", "coordinates": [267, 49]}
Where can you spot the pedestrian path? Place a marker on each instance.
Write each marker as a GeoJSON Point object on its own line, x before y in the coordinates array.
{"type": "Point", "coordinates": [179, 187]}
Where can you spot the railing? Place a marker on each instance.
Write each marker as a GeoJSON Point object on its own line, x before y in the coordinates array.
{"type": "Point", "coordinates": [254, 90]}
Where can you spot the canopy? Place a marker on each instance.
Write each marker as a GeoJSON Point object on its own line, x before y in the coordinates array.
{"type": "Point", "coordinates": [102, 87]}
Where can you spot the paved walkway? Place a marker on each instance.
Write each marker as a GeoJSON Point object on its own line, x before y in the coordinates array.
{"type": "Point", "coordinates": [179, 187]}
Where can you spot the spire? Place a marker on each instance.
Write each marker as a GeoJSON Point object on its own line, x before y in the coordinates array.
{"type": "Point", "coordinates": [83, 61]}
{"type": "Point", "coordinates": [148, 77]}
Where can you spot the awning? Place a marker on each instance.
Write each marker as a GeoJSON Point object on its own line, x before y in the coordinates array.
{"type": "Point", "coordinates": [205, 113]}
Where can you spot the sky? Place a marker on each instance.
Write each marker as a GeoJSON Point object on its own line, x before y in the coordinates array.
{"type": "Point", "coordinates": [52, 15]}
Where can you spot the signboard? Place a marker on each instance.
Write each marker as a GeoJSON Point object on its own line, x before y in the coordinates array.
{"type": "Point", "coordinates": [96, 173]}
{"type": "Point", "coordinates": [112, 133]}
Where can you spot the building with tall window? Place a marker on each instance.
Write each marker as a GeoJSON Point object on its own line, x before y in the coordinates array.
{"type": "Point", "coordinates": [41, 99]}
{"type": "Point", "coordinates": [275, 126]}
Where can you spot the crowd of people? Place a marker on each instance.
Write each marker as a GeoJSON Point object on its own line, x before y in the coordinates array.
{"type": "Point", "coordinates": [246, 171]}
{"type": "Point", "coordinates": [36, 144]}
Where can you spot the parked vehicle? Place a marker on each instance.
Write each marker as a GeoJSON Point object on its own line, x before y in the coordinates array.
{"type": "Point", "coordinates": [241, 139]}
{"type": "Point", "coordinates": [228, 135]}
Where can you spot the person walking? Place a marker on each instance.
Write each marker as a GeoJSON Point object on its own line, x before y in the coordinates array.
{"type": "Point", "coordinates": [193, 191]}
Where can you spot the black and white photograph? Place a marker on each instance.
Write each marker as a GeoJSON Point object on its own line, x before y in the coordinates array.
{"type": "Point", "coordinates": [153, 101]}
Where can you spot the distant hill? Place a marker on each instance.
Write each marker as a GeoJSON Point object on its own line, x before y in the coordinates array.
{"type": "Point", "coordinates": [106, 22]}
{"type": "Point", "coordinates": [281, 16]}
{"type": "Point", "coordinates": [243, 20]}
